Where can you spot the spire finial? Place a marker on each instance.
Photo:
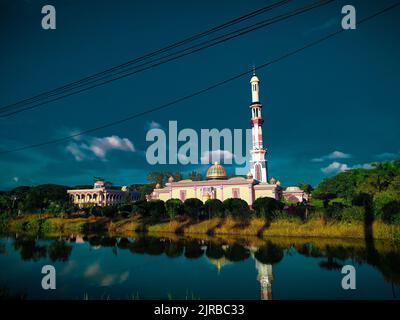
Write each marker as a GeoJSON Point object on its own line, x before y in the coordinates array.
{"type": "Point", "coordinates": [254, 70]}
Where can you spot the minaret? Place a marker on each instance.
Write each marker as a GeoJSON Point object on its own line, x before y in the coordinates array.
{"type": "Point", "coordinates": [258, 164]}
{"type": "Point", "coordinates": [265, 278]}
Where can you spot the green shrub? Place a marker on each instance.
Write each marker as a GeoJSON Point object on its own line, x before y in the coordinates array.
{"type": "Point", "coordinates": [108, 211]}
{"type": "Point", "coordinates": [140, 207]}
{"type": "Point", "coordinates": [236, 208]}
{"type": "Point", "coordinates": [4, 220]}
{"type": "Point", "coordinates": [334, 211]}
{"type": "Point", "coordinates": [391, 212]}
{"type": "Point", "coordinates": [193, 207]}
{"type": "Point", "coordinates": [34, 225]}
{"type": "Point", "coordinates": [283, 215]}
{"type": "Point", "coordinates": [265, 207]}
{"type": "Point", "coordinates": [362, 199]}
{"type": "Point", "coordinates": [381, 199]}
{"type": "Point", "coordinates": [353, 214]}
{"type": "Point", "coordinates": [96, 211]}
{"type": "Point", "coordinates": [316, 213]}
{"type": "Point", "coordinates": [125, 210]}
{"type": "Point", "coordinates": [317, 203]}
{"type": "Point", "coordinates": [341, 201]}
{"type": "Point", "coordinates": [214, 208]}
{"type": "Point", "coordinates": [156, 208]}
{"type": "Point", "coordinates": [174, 207]}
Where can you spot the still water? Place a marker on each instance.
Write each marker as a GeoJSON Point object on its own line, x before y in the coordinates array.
{"type": "Point", "coordinates": [173, 267]}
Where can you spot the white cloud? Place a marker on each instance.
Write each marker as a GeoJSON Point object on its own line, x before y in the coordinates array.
{"type": "Point", "coordinates": [388, 155]}
{"type": "Point", "coordinates": [75, 150]}
{"type": "Point", "coordinates": [333, 155]}
{"type": "Point", "coordinates": [88, 147]}
{"type": "Point", "coordinates": [92, 270]}
{"type": "Point", "coordinates": [336, 167]}
{"type": "Point", "coordinates": [153, 125]}
{"type": "Point", "coordinates": [217, 155]}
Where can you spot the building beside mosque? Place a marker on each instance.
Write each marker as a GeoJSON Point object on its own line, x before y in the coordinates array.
{"type": "Point", "coordinates": [218, 186]}
{"type": "Point", "coordinates": [101, 195]}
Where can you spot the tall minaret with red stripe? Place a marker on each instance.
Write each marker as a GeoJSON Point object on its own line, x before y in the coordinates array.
{"type": "Point", "coordinates": [258, 164]}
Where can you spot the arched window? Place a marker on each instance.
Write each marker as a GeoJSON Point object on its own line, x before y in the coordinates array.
{"type": "Point", "coordinates": [258, 172]}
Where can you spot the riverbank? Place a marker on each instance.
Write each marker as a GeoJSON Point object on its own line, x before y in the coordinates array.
{"type": "Point", "coordinates": [48, 224]}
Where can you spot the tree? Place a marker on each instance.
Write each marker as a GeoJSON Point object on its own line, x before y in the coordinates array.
{"type": "Point", "coordinates": [140, 207]}
{"type": "Point", "coordinates": [174, 207]}
{"type": "Point", "coordinates": [156, 177]}
{"type": "Point", "coordinates": [214, 208]}
{"type": "Point", "coordinates": [195, 176]}
{"type": "Point", "coordinates": [156, 208]}
{"type": "Point", "coordinates": [162, 177]}
{"type": "Point", "coordinates": [236, 208]}
{"type": "Point", "coordinates": [193, 207]}
{"type": "Point", "coordinates": [307, 188]}
{"type": "Point", "coordinates": [265, 207]}
{"type": "Point", "coordinates": [382, 199]}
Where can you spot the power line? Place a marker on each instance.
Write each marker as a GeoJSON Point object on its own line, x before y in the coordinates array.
{"type": "Point", "coordinates": [166, 105]}
{"type": "Point", "coordinates": [155, 53]}
{"type": "Point", "coordinates": [182, 53]}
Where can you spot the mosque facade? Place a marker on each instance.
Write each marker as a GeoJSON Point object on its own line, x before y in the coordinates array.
{"type": "Point", "coordinates": [101, 195]}
{"type": "Point", "coordinates": [218, 186]}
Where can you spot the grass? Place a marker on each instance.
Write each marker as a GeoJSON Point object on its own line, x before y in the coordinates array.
{"type": "Point", "coordinates": [315, 228]}
{"type": "Point", "coordinates": [216, 226]}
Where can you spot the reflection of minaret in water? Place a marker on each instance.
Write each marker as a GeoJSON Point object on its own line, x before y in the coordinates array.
{"type": "Point", "coordinates": [265, 278]}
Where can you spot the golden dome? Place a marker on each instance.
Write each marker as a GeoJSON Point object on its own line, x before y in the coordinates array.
{"type": "Point", "coordinates": [158, 186]}
{"type": "Point", "coordinates": [216, 171]}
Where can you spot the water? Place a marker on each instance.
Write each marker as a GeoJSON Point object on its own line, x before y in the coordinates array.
{"type": "Point", "coordinates": [172, 267]}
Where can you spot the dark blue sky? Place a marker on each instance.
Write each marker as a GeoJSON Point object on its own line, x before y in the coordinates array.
{"type": "Point", "coordinates": [341, 95]}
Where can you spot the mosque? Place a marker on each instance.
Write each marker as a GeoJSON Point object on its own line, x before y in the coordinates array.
{"type": "Point", "coordinates": [249, 188]}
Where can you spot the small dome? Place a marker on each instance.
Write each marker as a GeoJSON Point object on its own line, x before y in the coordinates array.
{"type": "Point", "coordinates": [249, 175]}
{"type": "Point", "coordinates": [171, 179]}
{"type": "Point", "coordinates": [216, 171]}
{"type": "Point", "coordinates": [278, 183]}
{"type": "Point", "coordinates": [293, 189]}
{"type": "Point", "coordinates": [272, 181]}
{"type": "Point", "coordinates": [124, 189]}
{"type": "Point", "coordinates": [158, 186]}
{"type": "Point", "coordinates": [254, 79]}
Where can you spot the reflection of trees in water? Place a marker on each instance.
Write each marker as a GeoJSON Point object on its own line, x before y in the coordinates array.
{"type": "Point", "coordinates": [269, 253]}
{"type": "Point", "coordinates": [59, 250]}
{"type": "Point", "coordinates": [5, 294]}
{"type": "Point", "coordinates": [29, 250]}
{"type": "Point", "coordinates": [2, 248]}
{"type": "Point", "coordinates": [215, 250]}
{"type": "Point", "coordinates": [147, 245]}
{"type": "Point", "coordinates": [335, 256]}
{"type": "Point", "coordinates": [123, 244]}
{"type": "Point", "coordinates": [94, 241]}
{"type": "Point", "coordinates": [108, 242]}
{"type": "Point", "coordinates": [237, 252]}
{"type": "Point", "coordinates": [139, 245]}
{"type": "Point", "coordinates": [155, 246]}
{"type": "Point", "coordinates": [193, 249]}
{"type": "Point", "coordinates": [174, 249]}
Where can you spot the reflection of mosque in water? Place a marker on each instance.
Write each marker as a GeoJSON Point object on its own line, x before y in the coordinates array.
{"type": "Point", "coordinates": [220, 252]}
{"type": "Point", "coordinates": [265, 278]}
{"type": "Point", "coordinates": [264, 271]}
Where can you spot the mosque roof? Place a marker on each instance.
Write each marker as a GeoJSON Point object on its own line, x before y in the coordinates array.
{"type": "Point", "coordinates": [216, 171]}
